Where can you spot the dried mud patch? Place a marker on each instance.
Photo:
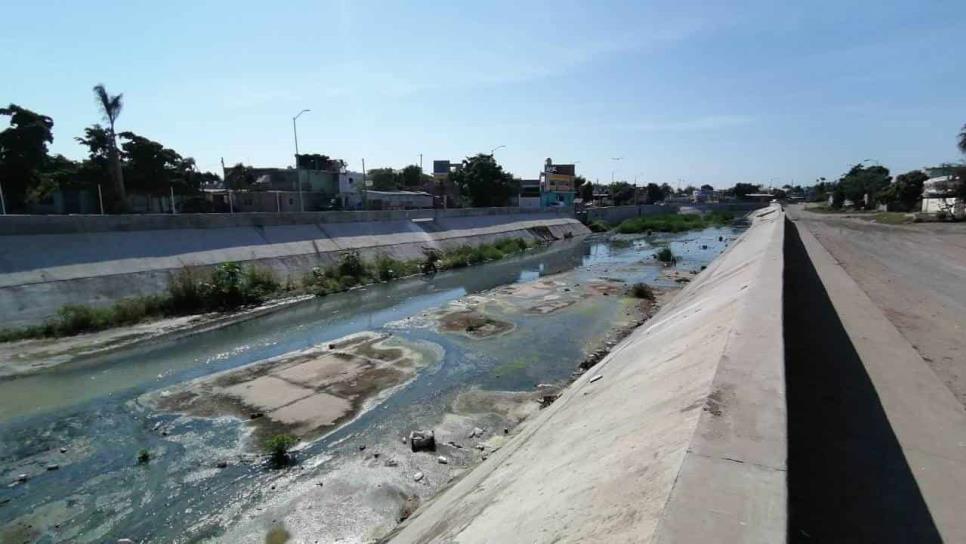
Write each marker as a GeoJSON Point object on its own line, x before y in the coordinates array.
{"type": "Point", "coordinates": [306, 393]}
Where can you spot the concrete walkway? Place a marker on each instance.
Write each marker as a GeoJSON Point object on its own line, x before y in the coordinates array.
{"type": "Point", "coordinates": [903, 434]}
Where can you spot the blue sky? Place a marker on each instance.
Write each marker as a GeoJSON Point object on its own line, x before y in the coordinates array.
{"type": "Point", "coordinates": [708, 92]}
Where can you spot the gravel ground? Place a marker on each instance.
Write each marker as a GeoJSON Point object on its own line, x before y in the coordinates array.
{"type": "Point", "coordinates": [915, 273]}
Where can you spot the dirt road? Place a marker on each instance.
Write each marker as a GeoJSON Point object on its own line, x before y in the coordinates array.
{"type": "Point", "coordinates": [915, 273]}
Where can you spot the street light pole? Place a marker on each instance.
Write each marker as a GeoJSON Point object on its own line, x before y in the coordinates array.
{"type": "Point", "coordinates": [295, 132]}
{"type": "Point", "coordinates": [612, 171]}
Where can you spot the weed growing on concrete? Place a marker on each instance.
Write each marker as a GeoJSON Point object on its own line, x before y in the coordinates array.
{"type": "Point", "coordinates": [599, 226]}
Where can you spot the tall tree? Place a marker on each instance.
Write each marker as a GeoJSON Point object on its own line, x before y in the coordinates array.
{"type": "Point", "coordinates": [653, 193]}
{"type": "Point", "coordinates": [111, 109]}
{"type": "Point", "coordinates": [383, 179]}
{"type": "Point", "coordinates": [741, 190]}
{"type": "Point", "coordinates": [411, 176]}
{"type": "Point", "coordinates": [905, 191]}
{"type": "Point", "coordinates": [483, 182]}
{"type": "Point", "coordinates": [666, 190]}
{"type": "Point", "coordinates": [861, 181]}
{"type": "Point", "coordinates": [154, 169]}
{"type": "Point", "coordinates": [622, 193]}
{"type": "Point", "coordinates": [23, 153]}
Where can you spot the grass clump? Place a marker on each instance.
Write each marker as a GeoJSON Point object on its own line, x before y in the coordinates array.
{"type": "Point", "coordinates": [278, 448]}
{"type": "Point", "coordinates": [642, 290]}
{"type": "Point", "coordinates": [144, 456]}
{"type": "Point", "coordinates": [673, 222]}
{"type": "Point", "coordinates": [665, 255]}
{"type": "Point", "coordinates": [599, 226]}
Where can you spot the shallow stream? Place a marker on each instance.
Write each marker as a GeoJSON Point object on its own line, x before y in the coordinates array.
{"type": "Point", "coordinates": [75, 430]}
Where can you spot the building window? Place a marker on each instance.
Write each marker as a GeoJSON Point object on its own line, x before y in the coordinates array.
{"type": "Point", "coordinates": [291, 202]}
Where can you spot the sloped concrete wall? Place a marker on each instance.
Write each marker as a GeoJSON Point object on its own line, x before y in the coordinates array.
{"type": "Point", "coordinates": [84, 262]}
{"type": "Point", "coordinates": [681, 439]}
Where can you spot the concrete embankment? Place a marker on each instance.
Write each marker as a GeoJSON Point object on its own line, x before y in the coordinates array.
{"type": "Point", "coordinates": [615, 214]}
{"type": "Point", "coordinates": [46, 262]}
{"type": "Point", "coordinates": [678, 435]}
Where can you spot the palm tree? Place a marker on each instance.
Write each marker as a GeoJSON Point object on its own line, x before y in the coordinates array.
{"type": "Point", "coordinates": [962, 139]}
{"type": "Point", "coordinates": [111, 108]}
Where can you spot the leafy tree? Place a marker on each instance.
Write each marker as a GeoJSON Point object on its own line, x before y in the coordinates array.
{"type": "Point", "coordinates": [411, 176]}
{"type": "Point", "coordinates": [687, 190]}
{"type": "Point", "coordinates": [666, 191]}
{"type": "Point", "coordinates": [707, 187]}
{"type": "Point", "coordinates": [905, 191]}
{"type": "Point", "coordinates": [962, 139]}
{"type": "Point", "coordinates": [861, 181]}
{"type": "Point", "coordinates": [23, 153]}
{"type": "Point", "coordinates": [741, 190]}
{"type": "Point", "coordinates": [483, 182]}
{"type": "Point", "coordinates": [587, 192]}
{"type": "Point", "coordinates": [383, 179]}
{"type": "Point", "coordinates": [111, 107]}
{"type": "Point", "coordinates": [154, 169]}
{"type": "Point", "coordinates": [96, 170]}
{"type": "Point", "coordinates": [239, 177]}
{"type": "Point", "coordinates": [653, 193]}
{"type": "Point", "coordinates": [622, 193]}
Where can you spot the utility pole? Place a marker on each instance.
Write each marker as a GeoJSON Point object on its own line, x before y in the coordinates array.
{"type": "Point", "coordinates": [173, 212]}
{"type": "Point", "coordinates": [420, 163]}
{"type": "Point", "coordinates": [365, 187]}
{"type": "Point", "coordinates": [3, 202]}
{"type": "Point", "coordinates": [298, 181]}
{"type": "Point", "coordinates": [100, 198]}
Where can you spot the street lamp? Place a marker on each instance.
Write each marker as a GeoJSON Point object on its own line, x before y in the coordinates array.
{"type": "Point", "coordinates": [492, 151]}
{"type": "Point", "coordinates": [612, 171]}
{"type": "Point", "coordinates": [298, 181]}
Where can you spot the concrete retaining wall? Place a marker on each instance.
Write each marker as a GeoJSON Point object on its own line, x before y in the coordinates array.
{"type": "Point", "coordinates": [615, 214]}
{"type": "Point", "coordinates": [62, 224]}
{"type": "Point", "coordinates": [682, 437]}
{"type": "Point", "coordinates": [97, 259]}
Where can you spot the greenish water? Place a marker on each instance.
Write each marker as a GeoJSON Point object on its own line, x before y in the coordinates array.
{"type": "Point", "coordinates": [92, 410]}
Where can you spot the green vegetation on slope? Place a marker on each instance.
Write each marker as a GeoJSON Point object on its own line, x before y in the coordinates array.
{"type": "Point", "coordinates": [673, 222]}
{"type": "Point", "coordinates": [231, 286]}
{"type": "Point", "coordinates": [228, 287]}
{"type": "Point", "coordinates": [352, 271]}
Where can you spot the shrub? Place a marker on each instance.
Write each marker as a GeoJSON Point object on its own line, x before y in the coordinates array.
{"type": "Point", "coordinates": [259, 283]}
{"type": "Point", "coordinates": [143, 457]}
{"type": "Point", "coordinates": [491, 253]}
{"type": "Point", "coordinates": [351, 265]}
{"type": "Point", "coordinates": [642, 290]}
{"type": "Point", "coordinates": [599, 226]}
{"type": "Point", "coordinates": [673, 222]}
{"type": "Point", "coordinates": [74, 319]}
{"type": "Point", "coordinates": [278, 447]}
{"type": "Point", "coordinates": [387, 268]}
{"type": "Point", "coordinates": [665, 255]}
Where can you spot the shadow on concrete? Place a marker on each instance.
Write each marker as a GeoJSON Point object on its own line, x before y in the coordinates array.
{"type": "Point", "coordinates": [848, 480]}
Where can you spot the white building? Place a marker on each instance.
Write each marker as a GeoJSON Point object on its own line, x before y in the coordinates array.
{"type": "Point", "coordinates": [937, 196]}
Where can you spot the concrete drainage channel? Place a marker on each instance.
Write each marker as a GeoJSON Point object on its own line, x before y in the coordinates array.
{"type": "Point", "coordinates": [742, 412]}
